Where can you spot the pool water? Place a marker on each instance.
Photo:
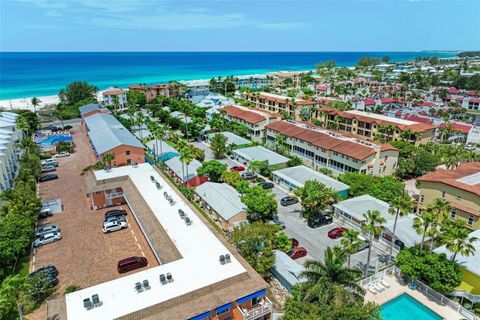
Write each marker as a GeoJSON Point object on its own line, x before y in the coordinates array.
{"type": "Point", "coordinates": [404, 307]}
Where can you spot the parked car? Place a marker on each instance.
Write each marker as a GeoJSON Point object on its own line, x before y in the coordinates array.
{"type": "Point", "coordinates": [48, 168]}
{"type": "Point", "coordinates": [336, 232]}
{"type": "Point", "coordinates": [278, 222]}
{"type": "Point", "coordinates": [46, 229]}
{"type": "Point", "coordinates": [47, 238]}
{"type": "Point", "coordinates": [115, 218]}
{"type": "Point", "coordinates": [288, 201]}
{"type": "Point", "coordinates": [237, 168]}
{"type": "Point", "coordinates": [62, 154]}
{"type": "Point", "coordinates": [45, 213]}
{"type": "Point", "coordinates": [49, 275]}
{"type": "Point", "coordinates": [51, 161]}
{"type": "Point", "coordinates": [47, 177]}
{"type": "Point", "coordinates": [399, 244]}
{"type": "Point", "coordinates": [112, 226]}
{"type": "Point", "coordinates": [115, 213]}
{"type": "Point", "coordinates": [249, 175]}
{"type": "Point", "coordinates": [321, 220]}
{"type": "Point", "coordinates": [52, 128]}
{"type": "Point", "coordinates": [266, 185]}
{"type": "Point", "coordinates": [297, 252]}
{"type": "Point", "coordinates": [364, 243]}
{"type": "Point", "coordinates": [294, 242]}
{"type": "Point", "coordinates": [50, 269]}
{"type": "Point", "coordinates": [131, 263]}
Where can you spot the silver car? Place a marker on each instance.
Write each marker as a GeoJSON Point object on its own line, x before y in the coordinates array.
{"type": "Point", "coordinates": [47, 238]}
{"type": "Point", "coordinates": [46, 229]}
{"type": "Point", "coordinates": [113, 226]}
{"type": "Point", "coordinates": [115, 218]}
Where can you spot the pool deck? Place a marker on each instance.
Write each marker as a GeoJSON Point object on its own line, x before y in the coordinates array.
{"type": "Point", "coordinates": [397, 289]}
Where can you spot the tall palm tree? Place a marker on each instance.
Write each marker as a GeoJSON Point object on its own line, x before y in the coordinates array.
{"type": "Point", "coordinates": [373, 226]}
{"type": "Point", "coordinates": [22, 124]}
{"type": "Point", "coordinates": [350, 243]}
{"type": "Point", "coordinates": [439, 211]}
{"type": "Point", "coordinates": [186, 157]}
{"type": "Point", "coordinates": [159, 132]}
{"type": "Point", "coordinates": [458, 240]}
{"type": "Point", "coordinates": [35, 102]}
{"type": "Point", "coordinates": [421, 224]}
{"type": "Point", "coordinates": [399, 207]}
{"type": "Point", "coordinates": [321, 278]}
{"type": "Point", "coordinates": [140, 119]}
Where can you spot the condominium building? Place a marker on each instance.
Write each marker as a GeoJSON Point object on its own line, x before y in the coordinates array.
{"type": "Point", "coordinates": [370, 124]}
{"type": "Point", "coordinates": [459, 186]}
{"type": "Point", "coordinates": [151, 92]}
{"type": "Point", "coordinates": [199, 276]}
{"type": "Point", "coordinates": [255, 120]}
{"type": "Point", "coordinates": [112, 94]}
{"type": "Point", "coordinates": [254, 81]}
{"type": "Point", "coordinates": [321, 148]}
{"type": "Point", "coordinates": [8, 152]}
{"type": "Point", "coordinates": [282, 105]}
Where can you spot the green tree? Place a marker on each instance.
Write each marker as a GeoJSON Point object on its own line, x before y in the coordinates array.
{"type": "Point", "coordinates": [186, 157]}
{"type": "Point", "coordinates": [315, 197]}
{"type": "Point", "coordinates": [218, 144]}
{"type": "Point", "coordinates": [372, 226]}
{"type": "Point", "coordinates": [12, 289]}
{"type": "Point", "coordinates": [294, 161]}
{"type": "Point", "coordinates": [136, 99]}
{"type": "Point", "coordinates": [439, 211]}
{"type": "Point", "coordinates": [213, 169]}
{"type": "Point", "coordinates": [255, 242]}
{"type": "Point", "coordinates": [108, 158]}
{"type": "Point", "coordinates": [35, 102]}
{"type": "Point", "coordinates": [400, 206]}
{"type": "Point", "coordinates": [231, 177]}
{"type": "Point", "coordinates": [261, 204]}
{"type": "Point", "coordinates": [458, 240]}
{"type": "Point", "coordinates": [78, 91]}
{"type": "Point", "coordinates": [350, 243]}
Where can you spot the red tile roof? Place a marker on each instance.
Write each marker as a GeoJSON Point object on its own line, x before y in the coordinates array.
{"type": "Point", "coordinates": [453, 91]}
{"type": "Point", "coordinates": [325, 141]}
{"type": "Point", "coordinates": [245, 115]}
{"type": "Point", "coordinates": [386, 100]}
{"type": "Point", "coordinates": [112, 92]}
{"type": "Point", "coordinates": [322, 88]}
{"type": "Point", "coordinates": [474, 100]}
{"type": "Point", "coordinates": [412, 117]}
{"type": "Point", "coordinates": [369, 102]}
{"type": "Point", "coordinates": [473, 93]}
{"type": "Point", "coordinates": [464, 128]}
{"type": "Point", "coordinates": [286, 100]}
{"type": "Point", "coordinates": [451, 177]}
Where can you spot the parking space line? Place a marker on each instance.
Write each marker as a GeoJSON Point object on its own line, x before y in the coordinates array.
{"type": "Point", "coordinates": [131, 229]}
{"type": "Point", "coordinates": [136, 240]}
{"type": "Point", "coordinates": [139, 247]}
{"type": "Point", "coordinates": [143, 253]}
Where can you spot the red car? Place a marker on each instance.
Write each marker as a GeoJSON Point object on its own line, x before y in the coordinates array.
{"type": "Point", "coordinates": [297, 252]}
{"type": "Point", "coordinates": [294, 242]}
{"type": "Point", "coordinates": [237, 168]}
{"type": "Point", "coordinates": [336, 232]}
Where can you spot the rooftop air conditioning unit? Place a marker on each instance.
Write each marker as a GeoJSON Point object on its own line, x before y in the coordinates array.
{"type": "Point", "coordinates": [146, 285]}
{"type": "Point", "coordinates": [96, 301]}
{"type": "Point", "coordinates": [87, 304]}
{"type": "Point", "coordinates": [163, 279]}
{"type": "Point", "coordinates": [222, 259]}
{"type": "Point", "coordinates": [228, 259]}
{"type": "Point", "coordinates": [138, 287]}
{"type": "Point", "coordinates": [169, 277]}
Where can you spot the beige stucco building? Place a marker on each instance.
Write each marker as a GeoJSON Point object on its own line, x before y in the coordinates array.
{"type": "Point", "coordinates": [459, 186]}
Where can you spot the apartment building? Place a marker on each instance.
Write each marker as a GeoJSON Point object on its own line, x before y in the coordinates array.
{"type": "Point", "coordinates": [321, 148]}
{"type": "Point", "coordinates": [277, 104]}
{"type": "Point", "coordinates": [368, 125]}
{"type": "Point", "coordinates": [151, 92]}
{"type": "Point", "coordinates": [8, 151]}
{"type": "Point", "coordinates": [459, 186]}
{"type": "Point", "coordinates": [254, 81]}
{"type": "Point", "coordinates": [199, 276]}
{"type": "Point", "coordinates": [112, 94]}
{"type": "Point", "coordinates": [255, 120]}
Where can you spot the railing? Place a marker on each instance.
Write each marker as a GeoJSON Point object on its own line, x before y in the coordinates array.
{"type": "Point", "coordinates": [426, 290]}
{"type": "Point", "coordinates": [257, 311]}
{"type": "Point", "coordinates": [113, 195]}
{"type": "Point", "coordinates": [474, 298]}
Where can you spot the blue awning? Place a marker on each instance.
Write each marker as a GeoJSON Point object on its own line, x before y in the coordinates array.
{"type": "Point", "coordinates": [223, 308]}
{"type": "Point", "coordinates": [251, 296]}
{"type": "Point", "coordinates": [202, 316]}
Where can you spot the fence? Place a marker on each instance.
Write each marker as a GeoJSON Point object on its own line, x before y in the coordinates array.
{"type": "Point", "coordinates": [423, 288]}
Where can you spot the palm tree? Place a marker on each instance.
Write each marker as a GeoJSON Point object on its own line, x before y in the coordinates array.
{"type": "Point", "coordinates": [458, 240]}
{"type": "Point", "coordinates": [140, 119]}
{"type": "Point", "coordinates": [372, 225]}
{"type": "Point", "coordinates": [421, 224]}
{"type": "Point", "coordinates": [350, 243]}
{"type": "Point", "coordinates": [35, 102]}
{"type": "Point", "coordinates": [321, 278]}
{"type": "Point", "coordinates": [438, 210]}
{"type": "Point", "coordinates": [22, 124]}
{"type": "Point", "coordinates": [12, 288]}
{"type": "Point", "coordinates": [108, 158]}
{"type": "Point", "coordinates": [400, 206]}
{"type": "Point", "coordinates": [159, 132]}
{"type": "Point", "coordinates": [186, 157]}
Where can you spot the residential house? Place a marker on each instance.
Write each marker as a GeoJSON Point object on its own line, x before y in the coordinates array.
{"type": "Point", "coordinates": [183, 174]}
{"type": "Point", "coordinates": [259, 153]}
{"type": "Point", "coordinates": [112, 94]}
{"type": "Point", "coordinates": [286, 270]}
{"type": "Point", "coordinates": [277, 104]}
{"type": "Point", "coordinates": [254, 120]}
{"type": "Point", "coordinates": [459, 186]}
{"type": "Point", "coordinates": [233, 140]}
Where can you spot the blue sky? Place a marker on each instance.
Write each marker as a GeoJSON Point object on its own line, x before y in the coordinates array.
{"type": "Point", "coordinates": [247, 25]}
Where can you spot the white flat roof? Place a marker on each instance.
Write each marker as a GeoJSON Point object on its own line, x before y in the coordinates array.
{"type": "Point", "coordinates": [381, 117]}
{"type": "Point", "coordinates": [199, 266]}
{"type": "Point", "coordinates": [300, 174]}
{"type": "Point", "coordinates": [259, 153]}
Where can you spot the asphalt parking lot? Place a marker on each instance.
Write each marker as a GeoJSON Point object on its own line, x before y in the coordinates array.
{"type": "Point", "coordinates": [85, 256]}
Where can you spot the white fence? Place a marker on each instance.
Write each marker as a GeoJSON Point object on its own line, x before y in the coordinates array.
{"type": "Point", "coordinates": [426, 290]}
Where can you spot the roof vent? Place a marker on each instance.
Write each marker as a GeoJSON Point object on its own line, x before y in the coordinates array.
{"type": "Point", "coordinates": [159, 186]}
{"type": "Point", "coordinates": [188, 221]}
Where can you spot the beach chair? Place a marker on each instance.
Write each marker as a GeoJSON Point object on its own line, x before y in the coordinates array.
{"type": "Point", "coordinates": [385, 283]}
{"type": "Point", "coordinates": [372, 289]}
{"type": "Point", "coordinates": [378, 287]}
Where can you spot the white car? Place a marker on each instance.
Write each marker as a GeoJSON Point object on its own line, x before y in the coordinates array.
{"type": "Point", "coordinates": [49, 228]}
{"type": "Point", "coordinates": [62, 154]}
{"type": "Point", "coordinates": [111, 226]}
{"type": "Point", "coordinates": [47, 238]}
{"type": "Point", "coordinates": [51, 161]}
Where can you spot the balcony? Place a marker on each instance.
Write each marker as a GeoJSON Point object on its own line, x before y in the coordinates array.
{"type": "Point", "coordinates": [114, 195]}
{"type": "Point", "coordinates": [262, 309]}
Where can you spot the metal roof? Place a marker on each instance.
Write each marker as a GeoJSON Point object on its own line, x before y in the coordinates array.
{"type": "Point", "coordinates": [106, 133]}
{"type": "Point", "coordinates": [300, 174]}
{"type": "Point", "coordinates": [88, 107]}
{"type": "Point", "coordinates": [288, 269]}
{"type": "Point", "coordinates": [232, 138]}
{"type": "Point", "coordinates": [180, 170]}
{"type": "Point", "coordinates": [223, 198]}
{"type": "Point", "coordinates": [259, 153]}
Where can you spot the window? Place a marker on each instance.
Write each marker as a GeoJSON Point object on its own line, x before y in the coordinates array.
{"type": "Point", "coordinates": [453, 214]}
{"type": "Point", "coordinates": [127, 152]}
{"type": "Point", "coordinates": [422, 197]}
{"type": "Point", "coordinates": [223, 311]}
{"type": "Point", "coordinates": [129, 161]}
{"type": "Point", "coordinates": [443, 194]}
{"type": "Point", "coordinates": [470, 220]}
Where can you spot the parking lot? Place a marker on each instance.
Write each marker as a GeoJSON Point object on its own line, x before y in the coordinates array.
{"type": "Point", "coordinates": [85, 256]}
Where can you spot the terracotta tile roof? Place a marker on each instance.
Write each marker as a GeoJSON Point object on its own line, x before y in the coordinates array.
{"type": "Point", "coordinates": [369, 102]}
{"type": "Point", "coordinates": [465, 128]}
{"type": "Point", "coordinates": [112, 92]}
{"type": "Point", "coordinates": [473, 93]}
{"type": "Point", "coordinates": [386, 100]}
{"type": "Point", "coordinates": [325, 141]}
{"type": "Point", "coordinates": [451, 177]}
{"type": "Point", "coordinates": [245, 115]}
{"type": "Point", "coordinates": [474, 100]}
{"type": "Point", "coordinates": [286, 100]}
{"type": "Point", "coordinates": [322, 88]}
{"type": "Point", "coordinates": [453, 91]}
{"type": "Point", "coordinates": [412, 117]}
{"type": "Point", "coordinates": [465, 209]}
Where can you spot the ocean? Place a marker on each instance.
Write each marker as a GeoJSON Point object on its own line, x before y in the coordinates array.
{"type": "Point", "coordinates": [27, 74]}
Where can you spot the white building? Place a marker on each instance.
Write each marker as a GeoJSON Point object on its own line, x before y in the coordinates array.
{"type": "Point", "coordinates": [259, 153]}
{"type": "Point", "coordinates": [109, 98]}
{"type": "Point", "coordinates": [9, 155]}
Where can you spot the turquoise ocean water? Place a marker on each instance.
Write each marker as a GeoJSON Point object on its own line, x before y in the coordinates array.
{"type": "Point", "coordinates": [40, 74]}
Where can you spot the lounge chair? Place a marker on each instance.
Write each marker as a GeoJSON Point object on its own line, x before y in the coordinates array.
{"type": "Point", "coordinates": [372, 289]}
{"type": "Point", "coordinates": [385, 283]}
{"type": "Point", "coordinates": [377, 286]}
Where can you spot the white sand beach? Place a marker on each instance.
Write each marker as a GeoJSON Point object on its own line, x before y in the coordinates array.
{"type": "Point", "coordinates": [26, 104]}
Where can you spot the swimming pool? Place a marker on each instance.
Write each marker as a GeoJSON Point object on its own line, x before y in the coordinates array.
{"type": "Point", "coordinates": [404, 307]}
{"type": "Point", "coordinates": [48, 143]}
